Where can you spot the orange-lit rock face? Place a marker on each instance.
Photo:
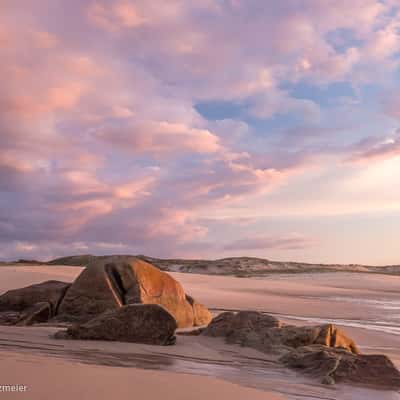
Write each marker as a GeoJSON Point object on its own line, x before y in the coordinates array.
{"type": "Point", "coordinates": [332, 336]}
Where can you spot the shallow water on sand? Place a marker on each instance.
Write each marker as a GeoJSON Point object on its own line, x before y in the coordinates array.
{"type": "Point", "coordinates": [382, 311]}
{"type": "Point", "coordinates": [388, 310]}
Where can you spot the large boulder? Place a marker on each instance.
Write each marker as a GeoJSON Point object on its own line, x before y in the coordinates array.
{"type": "Point", "coordinates": [333, 365]}
{"type": "Point", "coordinates": [138, 323]}
{"type": "Point", "coordinates": [111, 282]}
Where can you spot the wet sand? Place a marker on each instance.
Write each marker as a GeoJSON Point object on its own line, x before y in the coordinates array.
{"type": "Point", "coordinates": [48, 379]}
{"type": "Point", "coordinates": [199, 366]}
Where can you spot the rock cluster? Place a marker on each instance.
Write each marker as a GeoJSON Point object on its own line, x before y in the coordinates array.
{"type": "Point", "coordinates": [108, 283]}
{"type": "Point", "coordinates": [266, 333]}
{"type": "Point", "coordinates": [322, 351]}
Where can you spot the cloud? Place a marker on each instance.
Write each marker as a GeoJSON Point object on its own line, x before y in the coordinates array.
{"type": "Point", "coordinates": [113, 16]}
{"type": "Point", "coordinates": [158, 137]}
{"type": "Point", "coordinates": [44, 40]}
{"type": "Point", "coordinates": [374, 148]}
{"type": "Point", "coordinates": [102, 146]}
{"type": "Point", "coordinates": [391, 105]}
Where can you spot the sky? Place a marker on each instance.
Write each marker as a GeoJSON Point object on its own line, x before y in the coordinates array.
{"type": "Point", "coordinates": [207, 128]}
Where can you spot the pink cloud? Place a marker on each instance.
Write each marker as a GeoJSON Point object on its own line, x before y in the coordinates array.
{"type": "Point", "coordinates": [377, 149]}
{"type": "Point", "coordinates": [384, 43]}
{"type": "Point", "coordinates": [159, 137]}
{"type": "Point", "coordinates": [44, 40]}
{"type": "Point", "coordinates": [64, 97]}
{"type": "Point", "coordinates": [113, 16]}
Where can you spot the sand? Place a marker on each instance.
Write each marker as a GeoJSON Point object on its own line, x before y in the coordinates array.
{"type": "Point", "coordinates": [48, 379]}
{"type": "Point", "coordinates": [197, 366]}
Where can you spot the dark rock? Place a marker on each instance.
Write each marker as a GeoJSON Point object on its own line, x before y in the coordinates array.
{"type": "Point", "coordinates": [221, 325]}
{"type": "Point", "coordinates": [237, 327]}
{"type": "Point", "coordinates": [9, 317]}
{"type": "Point", "coordinates": [138, 323]}
{"type": "Point", "coordinates": [338, 365]}
{"type": "Point", "coordinates": [20, 299]}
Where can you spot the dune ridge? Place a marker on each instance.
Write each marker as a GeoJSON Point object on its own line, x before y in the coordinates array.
{"type": "Point", "coordinates": [235, 266]}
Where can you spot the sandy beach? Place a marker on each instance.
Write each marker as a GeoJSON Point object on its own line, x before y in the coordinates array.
{"type": "Point", "coordinates": [366, 306]}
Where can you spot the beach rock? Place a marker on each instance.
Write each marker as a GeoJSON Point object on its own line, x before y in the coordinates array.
{"type": "Point", "coordinates": [335, 365]}
{"type": "Point", "coordinates": [111, 282]}
{"type": "Point", "coordinates": [247, 328]}
{"type": "Point", "coordinates": [40, 312]}
{"type": "Point", "coordinates": [266, 333]}
{"type": "Point", "coordinates": [298, 336]}
{"type": "Point", "coordinates": [20, 299]}
{"type": "Point", "coordinates": [237, 327]}
{"type": "Point", "coordinates": [201, 315]}
{"type": "Point", "coordinates": [138, 323]}
{"type": "Point", "coordinates": [221, 325]}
